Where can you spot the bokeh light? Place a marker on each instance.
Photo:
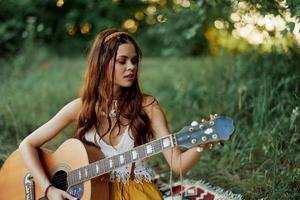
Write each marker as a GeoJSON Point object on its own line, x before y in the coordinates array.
{"type": "Point", "coordinates": [71, 30]}
{"type": "Point", "coordinates": [139, 15]}
{"type": "Point", "coordinates": [151, 20]}
{"type": "Point", "coordinates": [256, 28]}
{"type": "Point", "coordinates": [130, 25]}
{"type": "Point", "coordinates": [59, 3]}
{"type": "Point", "coordinates": [85, 28]}
{"type": "Point", "coordinates": [161, 18]}
{"type": "Point", "coordinates": [150, 10]}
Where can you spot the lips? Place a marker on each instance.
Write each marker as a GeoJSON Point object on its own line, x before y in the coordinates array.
{"type": "Point", "coordinates": [129, 76]}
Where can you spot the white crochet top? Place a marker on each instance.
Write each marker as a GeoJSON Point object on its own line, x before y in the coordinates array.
{"type": "Point", "coordinates": [141, 170]}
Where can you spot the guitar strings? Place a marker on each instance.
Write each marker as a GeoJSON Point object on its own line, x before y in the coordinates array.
{"type": "Point", "coordinates": [62, 178]}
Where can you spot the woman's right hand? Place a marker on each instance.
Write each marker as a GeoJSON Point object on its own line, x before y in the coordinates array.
{"type": "Point", "coordinates": [57, 194]}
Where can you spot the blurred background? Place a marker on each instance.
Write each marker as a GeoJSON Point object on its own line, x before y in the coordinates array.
{"type": "Point", "coordinates": [235, 57]}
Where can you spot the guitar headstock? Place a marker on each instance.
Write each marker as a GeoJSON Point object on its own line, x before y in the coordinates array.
{"type": "Point", "coordinates": [218, 128]}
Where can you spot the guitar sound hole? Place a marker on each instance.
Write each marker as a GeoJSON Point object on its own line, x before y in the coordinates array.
{"type": "Point", "coordinates": [59, 180]}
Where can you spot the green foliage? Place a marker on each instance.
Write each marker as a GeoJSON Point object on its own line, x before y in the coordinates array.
{"type": "Point", "coordinates": [183, 31]}
{"type": "Point", "coordinates": [29, 99]}
{"type": "Point", "coordinates": [259, 91]}
{"type": "Point", "coordinates": [68, 29]}
{"type": "Point", "coordinates": [51, 23]}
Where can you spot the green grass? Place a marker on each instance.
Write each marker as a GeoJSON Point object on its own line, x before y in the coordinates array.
{"type": "Point", "coordinates": [260, 92]}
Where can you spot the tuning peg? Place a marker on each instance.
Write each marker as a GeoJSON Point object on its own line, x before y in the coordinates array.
{"type": "Point", "coordinates": [214, 136]}
{"type": "Point", "coordinates": [191, 129]}
{"type": "Point", "coordinates": [204, 138]}
{"type": "Point", "coordinates": [194, 123]}
{"type": "Point", "coordinates": [201, 126]}
{"type": "Point", "coordinates": [211, 123]}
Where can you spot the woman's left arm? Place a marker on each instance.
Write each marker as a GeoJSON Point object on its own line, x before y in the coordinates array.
{"type": "Point", "coordinates": [160, 129]}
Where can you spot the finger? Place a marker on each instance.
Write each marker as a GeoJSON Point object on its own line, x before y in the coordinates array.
{"type": "Point", "coordinates": [68, 196]}
{"type": "Point", "coordinates": [199, 149]}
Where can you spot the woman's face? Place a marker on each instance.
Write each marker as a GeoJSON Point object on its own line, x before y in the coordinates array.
{"type": "Point", "coordinates": [125, 66]}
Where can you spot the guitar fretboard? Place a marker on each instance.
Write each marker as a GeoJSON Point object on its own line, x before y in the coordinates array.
{"type": "Point", "coordinates": [108, 164]}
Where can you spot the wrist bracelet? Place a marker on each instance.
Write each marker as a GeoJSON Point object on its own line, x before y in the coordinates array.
{"type": "Point", "coordinates": [47, 188]}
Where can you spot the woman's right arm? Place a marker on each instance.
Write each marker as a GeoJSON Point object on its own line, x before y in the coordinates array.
{"type": "Point", "coordinates": [28, 147]}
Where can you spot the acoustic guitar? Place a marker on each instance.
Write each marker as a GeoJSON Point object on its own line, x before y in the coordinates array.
{"type": "Point", "coordinates": [74, 166]}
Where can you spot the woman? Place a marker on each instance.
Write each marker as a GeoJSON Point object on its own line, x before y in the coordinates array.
{"type": "Point", "coordinates": [113, 114]}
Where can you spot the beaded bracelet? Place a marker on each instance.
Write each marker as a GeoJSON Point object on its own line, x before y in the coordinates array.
{"type": "Point", "coordinates": [47, 188]}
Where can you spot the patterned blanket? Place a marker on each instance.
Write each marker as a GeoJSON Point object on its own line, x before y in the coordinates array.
{"type": "Point", "coordinates": [197, 190]}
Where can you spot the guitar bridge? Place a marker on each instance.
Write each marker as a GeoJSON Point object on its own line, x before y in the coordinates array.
{"type": "Point", "coordinates": [29, 187]}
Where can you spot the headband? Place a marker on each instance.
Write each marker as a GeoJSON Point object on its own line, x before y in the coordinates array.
{"type": "Point", "coordinates": [114, 35]}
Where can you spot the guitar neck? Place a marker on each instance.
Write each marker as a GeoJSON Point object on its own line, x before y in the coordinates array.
{"type": "Point", "coordinates": [106, 165]}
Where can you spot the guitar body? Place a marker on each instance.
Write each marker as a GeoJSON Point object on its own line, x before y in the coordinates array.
{"type": "Point", "coordinates": [16, 183]}
{"type": "Point", "coordinates": [74, 165]}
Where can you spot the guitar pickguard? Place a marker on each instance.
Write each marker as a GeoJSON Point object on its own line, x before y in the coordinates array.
{"type": "Point", "coordinates": [76, 190]}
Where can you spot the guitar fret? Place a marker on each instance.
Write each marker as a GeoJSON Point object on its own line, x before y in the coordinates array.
{"type": "Point", "coordinates": [128, 157]}
{"type": "Point", "coordinates": [82, 173]}
{"type": "Point", "coordinates": [141, 151]}
{"type": "Point", "coordinates": [116, 161]}
{"type": "Point", "coordinates": [111, 163]}
{"type": "Point", "coordinates": [97, 169]}
{"type": "Point", "coordinates": [166, 142]}
{"type": "Point", "coordinates": [70, 178]}
{"type": "Point", "coordinates": [79, 174]}
{"type": "Point", "coordinates": [90, 171]}
{"type": "Point", "coordinates": [74, 176]}
{"type": "Point", "coordinates": [121, 159]}
{"type": "Point", "coordinates": [149, 149]}
{"type": "Point", "coordinates": [134, 154]}
{"type": "Point", "coordinates": [94, 169]}
{"type": "Point", "coordinates": [100, 167]}
{"type": "Point", "coordinates": [157, 146]}
{"type": "Point", "coordinates": [106, 165]}
{"type": "Point", "coordinates": [86, 172]}
{"type": "Point", "coordinates": [75, 179]}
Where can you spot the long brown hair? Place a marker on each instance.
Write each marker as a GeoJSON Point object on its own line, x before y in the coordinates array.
{"type": "Point", "coordinates": [97, 91]}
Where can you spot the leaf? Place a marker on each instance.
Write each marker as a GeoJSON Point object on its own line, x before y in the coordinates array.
{"type": "Point", "coordinates": [283, 33]}
{"type": "Point", "coordinates": [291, 26]}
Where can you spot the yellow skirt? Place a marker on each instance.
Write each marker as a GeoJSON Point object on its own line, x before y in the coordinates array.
{"type": "Point", "coordinates": [134, 190]}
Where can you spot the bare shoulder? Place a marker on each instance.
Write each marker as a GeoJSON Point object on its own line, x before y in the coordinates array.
{"type": "Point", "coordinates": [149, 101]}
{"type": "Point", "coordinates": [151, 105]}
{"type": "Point", "coordinates": [156, 115]}
{"type": "Point", "coordinates": [72, 109]}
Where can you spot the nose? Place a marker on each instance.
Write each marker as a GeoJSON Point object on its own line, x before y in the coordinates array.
{"type": "Point", "coordinates": [130, 66]}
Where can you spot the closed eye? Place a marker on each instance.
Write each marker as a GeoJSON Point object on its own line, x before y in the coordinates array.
{"type": "Point", "coordinates": [134, 61]}
{"type": "Point", "coordinates": [122, 62]}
